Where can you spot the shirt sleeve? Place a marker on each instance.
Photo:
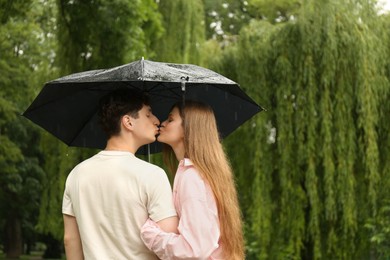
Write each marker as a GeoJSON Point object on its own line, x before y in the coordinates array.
{"type": "Point", "coordinates": [67, 206]}
{"type": "Point", "coordinates": [198, 227]}
{"type": "Point", "coordinates": [160, 203]}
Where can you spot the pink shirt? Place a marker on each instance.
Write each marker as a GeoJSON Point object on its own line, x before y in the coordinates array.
{"type": "Point", "coordinates": [198, 225]}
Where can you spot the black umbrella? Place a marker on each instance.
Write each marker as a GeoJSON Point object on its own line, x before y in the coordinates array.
{"type": "Point", "coordinates": [66, 107]}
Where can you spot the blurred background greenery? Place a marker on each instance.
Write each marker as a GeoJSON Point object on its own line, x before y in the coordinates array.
{"type": "Point", "coordinates": [312, 171]}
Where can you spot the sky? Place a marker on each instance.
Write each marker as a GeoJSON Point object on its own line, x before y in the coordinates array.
{"type": "Point", "coordinates": [386, 4]}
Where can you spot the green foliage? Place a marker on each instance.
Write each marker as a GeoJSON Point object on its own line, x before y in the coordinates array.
{"type": "Point", "coordinates": [19, 42]}
{"type": "Point", "coordinates": [103, 34]}
{"type": "Point", "coordinates": [10, 155]}
{"type": "Point", "coordinates": [57, 166]}
{"type": "Point", "coordinates": [13, 8]}
{"type": "Point", "coordinates": [380, 231]}
{"type": "Point", "coordinates": [274, 10]}
{"type": "Point", "coordinates": [244, 144]}
{"type": "Point", "coordinates": [225, 18]}
{"type": "Point", "coordinates": [21, 47]}
{"type": "Point", "coordinates": [184, 31]}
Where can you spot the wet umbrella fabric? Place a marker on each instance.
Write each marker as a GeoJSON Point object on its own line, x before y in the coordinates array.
{"type": "Point", "coordinates": [67, 107]}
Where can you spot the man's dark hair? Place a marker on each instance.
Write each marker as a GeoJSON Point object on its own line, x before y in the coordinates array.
{"type": "Point", "coordinates": [117, 104]}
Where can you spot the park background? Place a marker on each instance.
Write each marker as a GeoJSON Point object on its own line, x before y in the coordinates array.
{"type": "Point", "coordinates": [312, 172]}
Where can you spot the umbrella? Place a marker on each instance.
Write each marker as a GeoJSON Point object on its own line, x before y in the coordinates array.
{"type": "Point", "coordinates": [67, 107]}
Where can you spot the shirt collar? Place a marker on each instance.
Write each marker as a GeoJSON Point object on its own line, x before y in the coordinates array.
{"type": "Point", "coordinates": [115, 152]}
{"type": "Point", "coordinates": [186, 162]}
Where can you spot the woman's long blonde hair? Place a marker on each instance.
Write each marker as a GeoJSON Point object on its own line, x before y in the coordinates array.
{"type": "Point", "coordinates": [203, 147]}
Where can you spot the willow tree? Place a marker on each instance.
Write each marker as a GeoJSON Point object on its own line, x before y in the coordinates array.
{"type": "Point", "coordinates": [91, 35]}
{"type": "Point", "coordinates": [321, 149]}
{"type": "Point", "coordinates": [275, 11]}
{"type": "Point", "coordinates": [379, 224]}
{"type": "Point", "coordinates": [184, 31]}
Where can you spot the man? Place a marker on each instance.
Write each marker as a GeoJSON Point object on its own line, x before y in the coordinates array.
{"type": "Point", "coordinates": [109, 196]}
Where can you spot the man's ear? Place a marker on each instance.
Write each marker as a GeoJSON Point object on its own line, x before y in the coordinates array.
{"type": "Point", "coordinates": [127, 122]}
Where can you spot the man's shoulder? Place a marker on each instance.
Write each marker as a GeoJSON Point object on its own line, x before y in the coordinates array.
{"type": "Point", "coordinates": [75, 172]}
{"type": "Point", "coordinates": [149, 167]}
{"type": "Point", "coordinates": [85, 162]}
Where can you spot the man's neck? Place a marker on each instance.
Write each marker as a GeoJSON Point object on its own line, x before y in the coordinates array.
{"type": "Point", "coordinates": [117, 143]}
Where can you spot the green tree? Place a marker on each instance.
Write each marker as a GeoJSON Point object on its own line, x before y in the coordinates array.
{"type": "Point", "coordinates": [184, 31]}
{"type": "Point", "coordinates": [103, 34]}
{"type": "Point", "coordinates": [327, 78]}
{"type": "Point", "coordinates": [274, 11]}
{"type": "Point", "coordinates": [379, 224]}
{"type": "Point", "coordinates": [224, 18]}
{"type": "Point", "coordinates": [20, 176]}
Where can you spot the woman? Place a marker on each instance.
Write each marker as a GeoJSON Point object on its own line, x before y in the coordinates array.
{"type": "Point", "coordinates": [204, 193]}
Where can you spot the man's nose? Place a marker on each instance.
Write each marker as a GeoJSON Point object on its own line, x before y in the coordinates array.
{"type": "Point", "coordinates": [156, 121]}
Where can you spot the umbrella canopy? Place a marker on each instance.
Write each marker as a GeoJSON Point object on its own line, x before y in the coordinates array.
{"type": "Point", "coordinates": [67, 107]}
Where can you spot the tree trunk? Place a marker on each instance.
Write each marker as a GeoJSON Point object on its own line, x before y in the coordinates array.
{"type": "Point", "coordinates": [13, 242]}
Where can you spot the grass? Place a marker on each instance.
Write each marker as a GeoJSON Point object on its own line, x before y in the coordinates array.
{"type": "Point", "coordinates": [33, 256]}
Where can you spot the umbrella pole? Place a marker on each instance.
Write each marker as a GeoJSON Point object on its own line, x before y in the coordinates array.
{"type": "Point", "coordinates": [149, 153]}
